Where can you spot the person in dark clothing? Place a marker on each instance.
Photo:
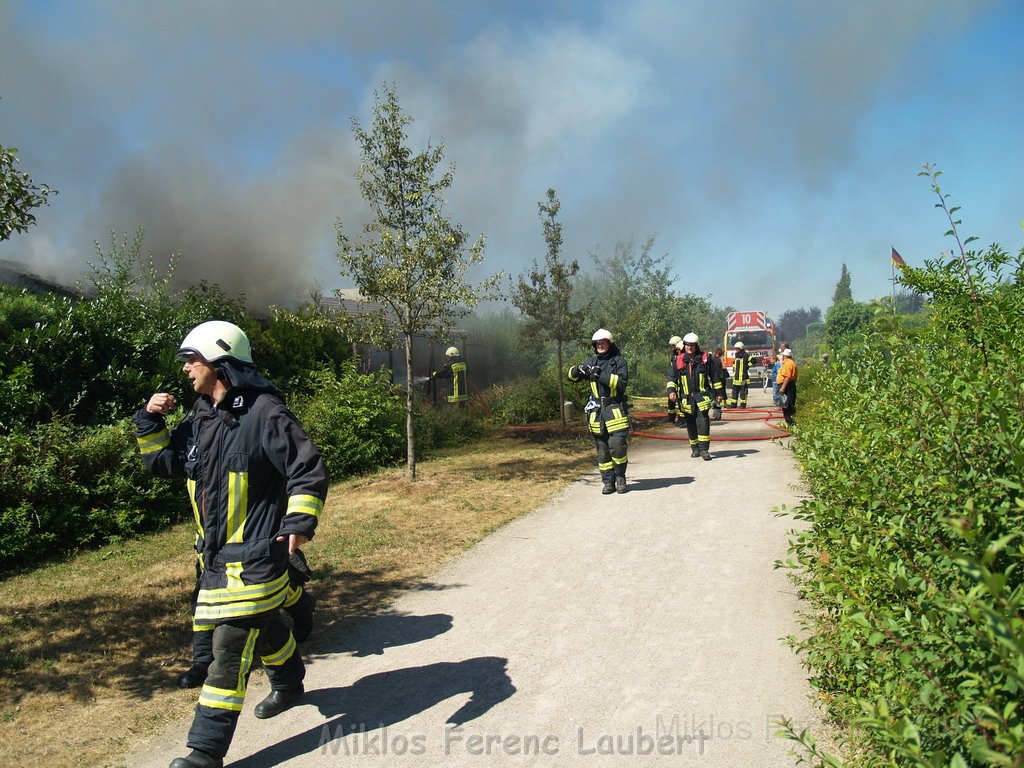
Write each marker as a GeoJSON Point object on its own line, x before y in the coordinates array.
{"type": "Point", "coordinates": [257, 485]}
{"type": "Point", "coordinates": [692, 384]}
{"type": "Point", "coordinates": [740, 377]}
{"type": "Point", "coordinates": [786, 379]}
{"type": "Point", "coordinates": [454, 368]}
{"type": "Point", "coordinates": [607, 416]}
{"type": "Point", "coordinates": [299, 605]}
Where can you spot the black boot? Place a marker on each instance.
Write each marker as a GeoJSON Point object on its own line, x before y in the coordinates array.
{"type": "Point", "coordinates": [705, 454]}
{"type": "Point", "coordinates": [620, 485]}
{"type": "Point", "coordinates": [608, 488]}
{"type": "Point", "coordinates": [694, 452]}
{"type": "Point", "coordinates": [278, 701]}
{"type": "Point", "coordinates": [197, 759]}
{"type": "Point", "coordinates": [194, 676]}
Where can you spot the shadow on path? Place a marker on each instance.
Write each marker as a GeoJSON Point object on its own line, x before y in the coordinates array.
{"type": "Point", "coordinates": [371, 635]}
{"type": "Point", "coordinates": [383, 699]}
{"type": "Point", "coordinates": [652, 483]}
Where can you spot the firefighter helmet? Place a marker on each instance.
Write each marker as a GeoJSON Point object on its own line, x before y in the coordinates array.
{"type": "Point", "coordinates": [215, 340]}
{"type": "Point", "coordinates": [451, 352]}
{"type": "Point", "coordinates": [691, 338]}
{"type": "Point", "coordinates": [675, 341]}
{"type": "Point", "coordinates": [738, 345]}
{"type": "Point", "coordinates": [601, 333]}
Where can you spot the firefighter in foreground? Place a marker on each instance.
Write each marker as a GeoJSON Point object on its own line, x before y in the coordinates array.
{"type": "Point", "coordinates": [692, 383]}
{"type": "Point", "coordinates": [257, 485]}
{"type": "Point", "coordinates": [607, 418]}
{"type": "Point", "coordinates": [454, 368]}
{"type": "Point", "coordinates": [740, 377]}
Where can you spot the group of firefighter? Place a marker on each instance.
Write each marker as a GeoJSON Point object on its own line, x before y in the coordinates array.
{"type": "Point", "coordinates": [696, 388]}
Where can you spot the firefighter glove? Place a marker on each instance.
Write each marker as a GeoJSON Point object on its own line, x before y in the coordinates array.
{"type": "Point", "coordinates": [583, 371]}
{"type": "Point", "coordinates": [595, 372]}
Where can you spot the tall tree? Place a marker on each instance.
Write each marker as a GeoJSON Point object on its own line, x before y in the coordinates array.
{"type": "Point", "coordinates": [544, 295]}
{"type": "Point", "coordinates": [792, 324]}
{"type": "Point", "coordinates": [843, 292]}
{"type": "Point", "coordinates": [19, 195]}
{"type": "Point", "coordinates": [412, 261]}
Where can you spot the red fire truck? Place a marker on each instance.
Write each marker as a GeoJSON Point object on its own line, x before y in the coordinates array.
{"type": "Point", "coordinates": [755, 330]}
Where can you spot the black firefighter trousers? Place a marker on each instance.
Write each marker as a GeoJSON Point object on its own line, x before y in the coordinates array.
{"type": "Point", "coordinates": [235, 646]}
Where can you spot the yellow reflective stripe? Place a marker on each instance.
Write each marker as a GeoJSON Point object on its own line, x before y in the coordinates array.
{"type": "Point", "coordinates": [247, 657]}
{"type": "Point", "coordinates": [303, 503]}
{"type": "Point", "coordinates": [253, 592]}
{"type": "Point", "coordinates": [616, 424]}
{"type": "Point", "coordinates": [215, 613]}
{"type": "Point", "coordinates": [154, 441]}
{"type": "Point", "coordinates": [238, 503]}
{"type": "Point", "coordinates": [279, 658]}
{"type": "Point", "coordinates": [202, 627]}
{"type": "Point", "coordinates": [668, 385]}
{"type": "Point", "coordinates": [613, 384]}
{"type": "Point", "coordinates": [234, 573]}
{"type": "Point", "coordinates": [294, 593]}
{"type": "Point", "coordinates": [190, 486]}
{"type": "Point", "coordinates": [593, 388]}
{"type": "Point", "coordinates": [605, 465]}
{"type": "Point", "coordinates": [617, 460]}
{"type": "Point", "coordinates": [209, 698]}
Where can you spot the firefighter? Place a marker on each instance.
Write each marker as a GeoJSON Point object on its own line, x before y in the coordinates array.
{"type": "Point", "coordinates": [299, 605]}
{"type": "Point", "coordinates": [607, 415]}
{"type": "Point", "coordinates": [693, 386]}
{"type": "Point", "coordinates": [257, 485]}
{"type": "Point", "coordinates": [740, 377]}
{"type": "Point", "coordinates": [674, 348]}
{"type": "Point", "coordinates": [454, 368]}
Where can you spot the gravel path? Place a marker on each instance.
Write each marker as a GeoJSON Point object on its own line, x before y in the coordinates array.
{"type": "Point", "coordinates": [623, 630]}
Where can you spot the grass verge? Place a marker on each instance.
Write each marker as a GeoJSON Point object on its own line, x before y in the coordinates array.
{"type": "Point", "coordinates": [89, 648]}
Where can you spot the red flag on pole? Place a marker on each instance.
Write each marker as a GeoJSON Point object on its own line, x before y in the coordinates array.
{"type": "Point", "coordinates": [898, 260]}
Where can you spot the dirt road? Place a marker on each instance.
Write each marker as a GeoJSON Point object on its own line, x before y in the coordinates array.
{"type": "Point", "coordinates": [622, 630]}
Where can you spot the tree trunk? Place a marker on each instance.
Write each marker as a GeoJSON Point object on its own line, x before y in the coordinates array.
{"type": "Point", "coordinates": [561, 384]}
{"type": "Point", "coordinates": [410, 431]}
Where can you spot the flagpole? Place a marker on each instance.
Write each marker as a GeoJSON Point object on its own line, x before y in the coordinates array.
{"type": "Point", "coordinates": [892, 279]}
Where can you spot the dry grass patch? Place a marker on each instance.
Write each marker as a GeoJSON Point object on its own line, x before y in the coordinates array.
{"type": "Point", "coordinates": [89, 649]}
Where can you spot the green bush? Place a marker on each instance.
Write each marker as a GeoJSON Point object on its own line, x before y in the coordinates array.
{"type": "Point", "coordinates": [65, 487]}
{"type": "Point", "coordinates": [528, 401]}
{"type": "Point", "coordinates": [356, 420]}
{"type": "Point", "coordinates": [912, 558]}
{"type": "Point", "coordinates": [446, 427]}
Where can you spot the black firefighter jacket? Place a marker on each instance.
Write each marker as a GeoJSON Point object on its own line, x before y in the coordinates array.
{"type": "Point", "coordinates": [695, 381]}
{"type": "Point", "coordinates": [607, 410]}
{"type": "Point", "coordinates": [252, 475]}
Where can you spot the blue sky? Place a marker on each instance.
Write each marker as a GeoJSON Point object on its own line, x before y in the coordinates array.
{"type": "Point", "coordinates": [762, 144]}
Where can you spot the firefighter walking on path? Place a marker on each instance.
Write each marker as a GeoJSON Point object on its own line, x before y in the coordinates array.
{"type": "Point", "coordinates": [607, 417]}
{"type": "Point", "coordinates": [256, 484]}
{"type": "Point", "coordinates": [740, 377]}
{"type": "Point", "coordinates": [454, 368]}
{"type": "Point", "coordinates": [693, 385]}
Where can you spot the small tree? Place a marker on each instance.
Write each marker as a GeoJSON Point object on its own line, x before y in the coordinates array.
{"type": "Point", "coordinates": [843, 292]}
{"type": "Point", "coordinates": [412, 260]}
{"type": "Point", "coordinates": [544, 295]}
{"type": "Point", "coordinates": [19, 195]}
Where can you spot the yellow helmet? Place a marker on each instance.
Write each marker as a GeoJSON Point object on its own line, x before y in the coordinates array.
{"type": "Point", "coordinates": [215, 340]}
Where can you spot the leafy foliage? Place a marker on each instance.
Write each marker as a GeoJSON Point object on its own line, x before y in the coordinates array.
{"type": "Point", "coordinates": [412, 259]}
{"type": "Point", "coordinates": [545, 298]}
{"type": "Point", "coordinates": [845, 322]}
{"type": "Point", "coordinates": [843, 291]}
{"type": "Point", "coordinates": [792, 324]}
{"type": "Point", "coordinates": [912, 554]}
{"type": "Point", "coordinates": [19, 195]}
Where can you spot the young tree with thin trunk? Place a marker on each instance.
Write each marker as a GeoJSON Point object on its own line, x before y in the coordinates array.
{"type": "Point", "coordinates": [412, 261]}
{"type": "Point", "coordinates": [544, 295]}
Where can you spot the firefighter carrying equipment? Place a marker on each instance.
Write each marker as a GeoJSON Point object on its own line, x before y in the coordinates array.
{"type": "Point", "coordinates": [215, 340]}
{"type": "Point", "coordinates": [607, 410]}
{"type": "Point", "coordinates": [454, 368]}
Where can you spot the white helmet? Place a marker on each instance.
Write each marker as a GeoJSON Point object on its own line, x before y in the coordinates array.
{"type": "Point", "coordinates": [691, 338]}
{"type": "Point", "coordinates": [452, 351]}
{"type": "Point", "coordinates": [675, 341]}
{"type": "Point", "coordinates": [787, 352]}
{"type": "Point", "coordinates": [217, 339]}
{"type": "Point", "coordinates": [738, 345]}
{"type": "Point", "coordinates": [601, 333]}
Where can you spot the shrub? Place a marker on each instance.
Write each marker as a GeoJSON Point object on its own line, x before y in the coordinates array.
{"type": "Point", "coordinates": [65, 487]}
{"type": "Point", "coordinates": [356, 420]}
{"type": "Point", "coordinates": [528, 401]}
{"type": "Point", "coordinates": [446, 427]}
